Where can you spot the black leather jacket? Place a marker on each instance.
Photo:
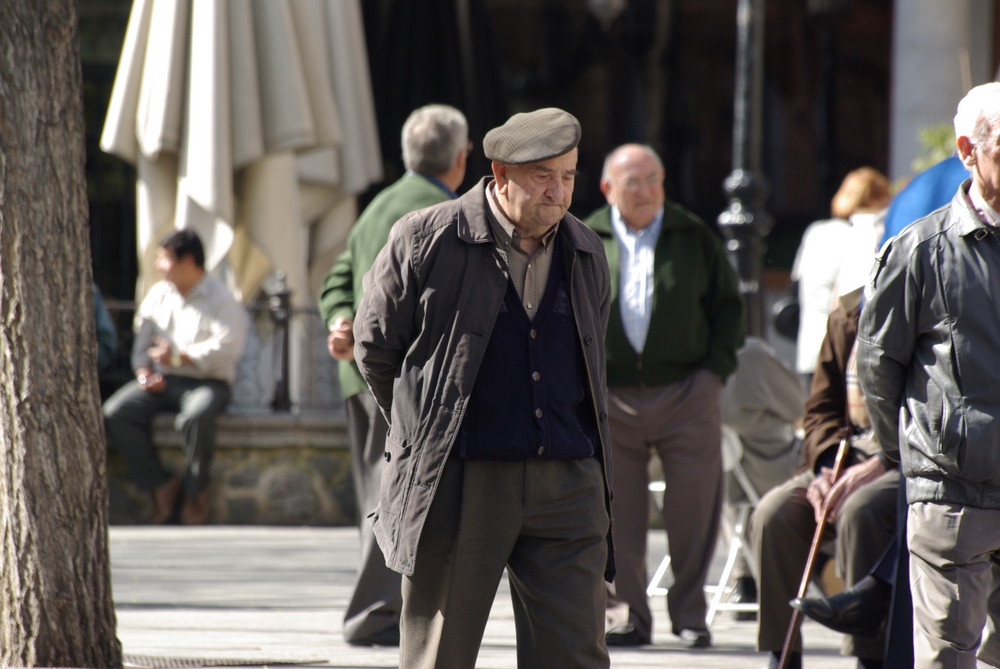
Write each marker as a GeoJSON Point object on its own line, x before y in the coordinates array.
{"type": "Point", "coordinates": [929, 355]}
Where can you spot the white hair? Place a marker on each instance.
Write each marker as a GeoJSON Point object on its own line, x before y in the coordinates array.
{"type": "Point", "coordinates": [978, 113]}
{"type": "Point", "coordinates": [432, 138]}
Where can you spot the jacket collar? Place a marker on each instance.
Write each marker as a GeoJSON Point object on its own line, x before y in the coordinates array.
{"type": "Point", "coordinates": [474, 228]}
{"type": "Point", "coordinates": [968, 221]}
{"type": "Point", "coordinates": [673, 218]}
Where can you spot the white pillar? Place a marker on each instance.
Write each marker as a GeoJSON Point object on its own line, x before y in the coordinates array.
{"type": "Point", "coordinates": [940, 50]}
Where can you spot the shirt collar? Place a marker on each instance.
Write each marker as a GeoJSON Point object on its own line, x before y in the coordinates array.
{"type": "Point", "coordinates": [437, 182]}
{"type": "Point", "coordinates": [197, 289]}
{"type": "Point", "coordinates": [621, 227]}
{"type": "Point", "coordinates": [505, 232]}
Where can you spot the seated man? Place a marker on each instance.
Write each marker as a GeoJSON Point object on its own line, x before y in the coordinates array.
{"type": "Point", "coordinates": [189, 335]}
{"type": "Point", "coordinates": [862, 504]}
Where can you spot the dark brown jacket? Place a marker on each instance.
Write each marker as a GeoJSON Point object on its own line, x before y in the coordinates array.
{"type": "Point", "coordinates": [826, 408]}
{"type": "Point", "coordinates": [429, 305]}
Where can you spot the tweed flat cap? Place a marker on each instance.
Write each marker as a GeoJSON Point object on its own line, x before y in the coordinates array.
{"type": "Point", "coordinates": [532, 136]}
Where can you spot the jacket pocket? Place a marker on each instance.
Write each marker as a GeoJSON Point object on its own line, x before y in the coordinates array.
{"type": "Point", "coordinates": [396, 472]}
{"type": "Point", "coordinates": [978, 450]}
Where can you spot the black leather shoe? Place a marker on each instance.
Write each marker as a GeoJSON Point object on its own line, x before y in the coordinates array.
{"type": "Point", "coordinates": [695, 638]}
{"type": "Point", "coordinates": [858, 611]}
{"type": "Point", "coordinates": [626, 635]}
{"type": "Point", "coordinates": [746, 593]}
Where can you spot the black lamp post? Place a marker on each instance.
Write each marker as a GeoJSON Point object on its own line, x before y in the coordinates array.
{"type": "Point", "coordinates": [280, 304]}
{"type": "Point", "coordinates": [745, 222]}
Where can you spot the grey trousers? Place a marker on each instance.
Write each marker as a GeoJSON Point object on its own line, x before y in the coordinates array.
{"type": "Point", "coordinates": [128, 421]}
{"type": "Point", "coordinates": [782, 529]}
{"type": "Point", "coordinates": [955, 581]}
{"type": "Point", "coordinates": [680, 423]}
{"type": "Point", "coordinates": [376, 600]}
{"type": "Point", "coordinates": [546, 522]}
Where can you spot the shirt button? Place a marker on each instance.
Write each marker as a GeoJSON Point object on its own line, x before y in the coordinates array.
{"type": "Point", "coordinates": [535, 376]}
{"type": "Point", "coordinates": [528, 306]}
{"type": "Point", "coordinates": [533, 333]}
{"type": "Point", "coordinates": [538, 413]}
{"type": "Point", "coordinates": [541, 450]}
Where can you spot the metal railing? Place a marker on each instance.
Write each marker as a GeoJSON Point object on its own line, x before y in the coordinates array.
{"type": "Point", "coordinates": [285, 356]}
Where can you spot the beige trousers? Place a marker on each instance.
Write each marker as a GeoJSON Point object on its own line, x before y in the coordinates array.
{"type": "Point", "coordinates": [680, 423]}
{"type": "Point", "coordinates": [954, 560]}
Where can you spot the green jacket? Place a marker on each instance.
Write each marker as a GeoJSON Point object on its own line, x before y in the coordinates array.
{"type": "Point", "coordinates": [698, 318]}
{"type": "Point", "coordinates": [341, 290]}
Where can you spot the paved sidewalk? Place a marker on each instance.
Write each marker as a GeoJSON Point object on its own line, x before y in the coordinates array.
{"type": "Point", "coordinates": [263, 596]}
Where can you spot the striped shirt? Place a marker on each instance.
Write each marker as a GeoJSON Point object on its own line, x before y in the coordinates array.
{"type": "Point", "coordinates": [530, 274]}
{"type": "Point", "coordinates": [635, 293]}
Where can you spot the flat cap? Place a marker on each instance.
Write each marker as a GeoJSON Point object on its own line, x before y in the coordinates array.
{"type": "Point", "coordinates": [532, 136]}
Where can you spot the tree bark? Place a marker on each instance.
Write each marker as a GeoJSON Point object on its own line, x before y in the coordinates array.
{"type": "Point", "coordinates": [55, 579]}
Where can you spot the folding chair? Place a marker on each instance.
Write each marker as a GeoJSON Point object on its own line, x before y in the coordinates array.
{"type": "Point", "coordinates": [735, 517]}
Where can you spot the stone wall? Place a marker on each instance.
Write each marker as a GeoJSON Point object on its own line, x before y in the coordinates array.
{"type": "Point", "coordinates": [269, 468]}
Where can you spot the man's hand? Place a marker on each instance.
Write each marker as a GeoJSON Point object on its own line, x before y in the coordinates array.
{"type": "Point", "coordinates": [823, 492]}
{"type": "Point", "coordinates": [150, 381]}
{"type": "Point", "coordinates": [340, 341]}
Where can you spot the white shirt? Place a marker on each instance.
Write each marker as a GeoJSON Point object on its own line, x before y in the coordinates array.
{"type": "Point", "coordinates": [635, 293]}
{"type": "Point", "coordinates": [208, 325]}
{"type": "Point", "coordinates": [817, 263]}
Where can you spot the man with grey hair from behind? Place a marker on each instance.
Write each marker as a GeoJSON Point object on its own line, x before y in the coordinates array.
{"type": "Point", "coordinates": [435, 141]}
{"type": "Point", "coordinates": [929, 368]}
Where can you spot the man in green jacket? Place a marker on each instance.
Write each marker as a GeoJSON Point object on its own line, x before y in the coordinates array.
{"type": "Point", "coordinates": [435, 143]}
{"type": "Point", "coordinates": [677, 320]}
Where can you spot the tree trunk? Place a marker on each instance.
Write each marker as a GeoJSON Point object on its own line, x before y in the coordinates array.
{"type": "Point", "coordinates": [55, 579]}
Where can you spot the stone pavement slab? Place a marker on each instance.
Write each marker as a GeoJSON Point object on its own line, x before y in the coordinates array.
{"type": "Point", "coordinates": [262, 596]}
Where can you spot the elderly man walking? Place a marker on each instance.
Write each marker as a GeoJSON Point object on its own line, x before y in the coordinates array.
{"type": "Point", "coordinates": [481, 334]}
{"type": "Point", "coordinates": [927, 345]}
{"type": "Point", "coordinates": [435, 142]}
{"type": "Point", "coordinates": [676, 322]}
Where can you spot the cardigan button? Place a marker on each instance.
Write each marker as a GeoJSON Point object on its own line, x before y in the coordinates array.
{"type": "Point", "coordinates": [387, 456]}
{"type": "Point", "coordinates": [588, 340]}
{"type": "Point", "coordinates": [535, 376]}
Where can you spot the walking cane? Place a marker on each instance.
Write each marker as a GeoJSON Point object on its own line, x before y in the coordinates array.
{"type": "Point", "coordinates": [796, 621]}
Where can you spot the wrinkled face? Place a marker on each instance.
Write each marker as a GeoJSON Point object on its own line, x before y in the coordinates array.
{"type": "Point", "coordinates": [983, 160]}
{"type": "Point", "coordinates": [537, 195]}
{"type": "Point", "coordinates": [634, 184]}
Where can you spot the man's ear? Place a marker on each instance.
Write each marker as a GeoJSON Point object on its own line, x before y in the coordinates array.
{"type": "Point", "coordinates": [499, 174]}
{"type": "Point", "coordinates": [965, 151]}
{"type": "Point", "coordinates": [605, 187]}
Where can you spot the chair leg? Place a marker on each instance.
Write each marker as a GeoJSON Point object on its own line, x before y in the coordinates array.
{"type": "Point", "coordinates": [655, 587]}
{"type": "Point", "coordinates": [727, 584]}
